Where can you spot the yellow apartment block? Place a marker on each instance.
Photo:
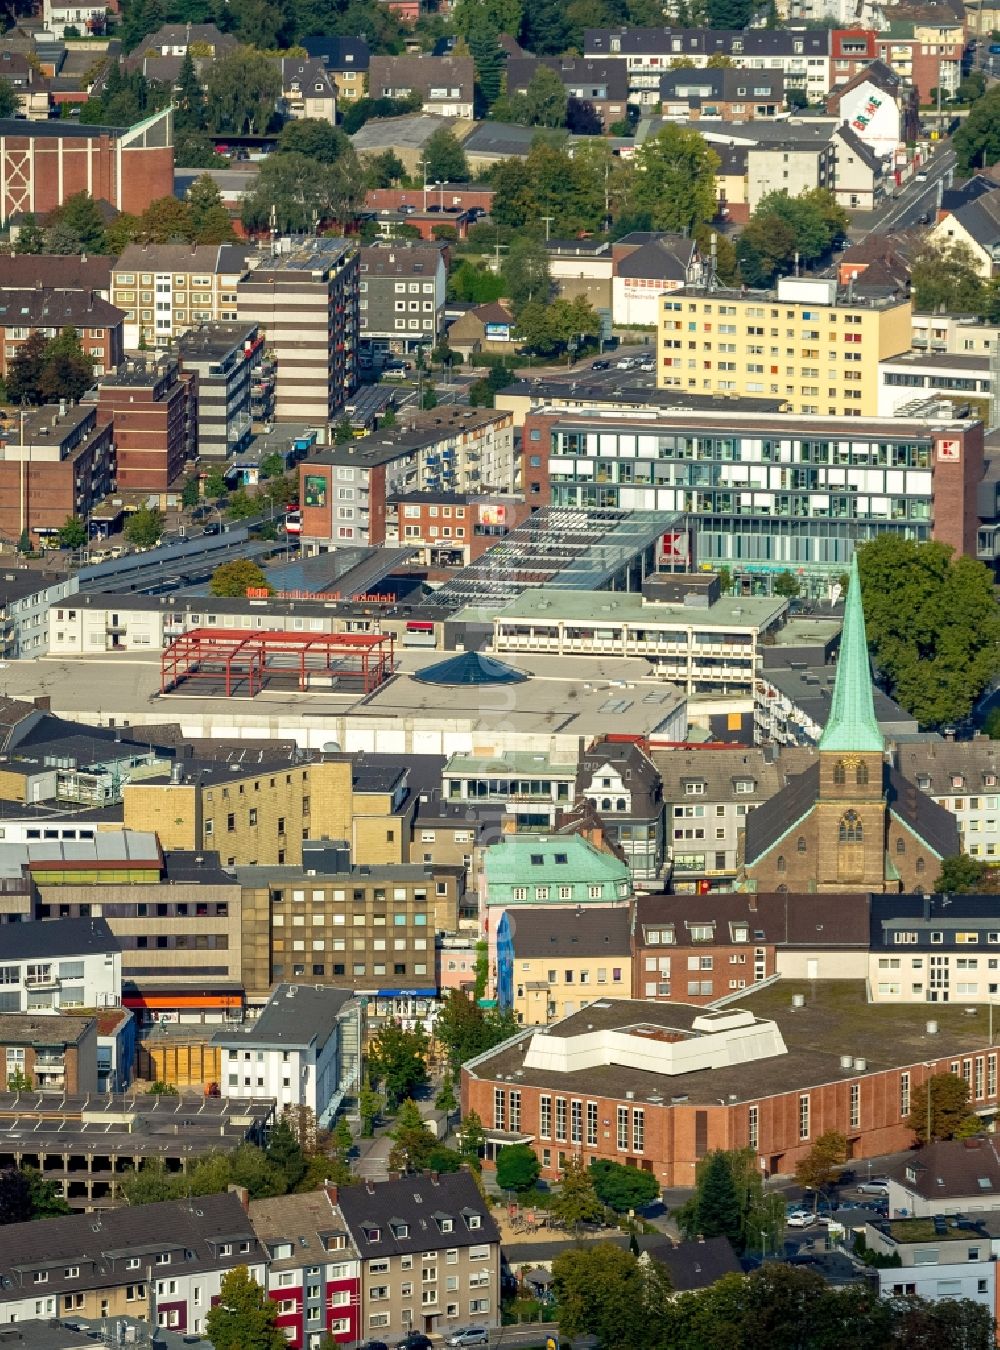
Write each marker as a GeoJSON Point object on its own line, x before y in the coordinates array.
{"type": "Point", "coordinates": [260, 813]}
{"type": "Point", "coordinates": [805, 343]}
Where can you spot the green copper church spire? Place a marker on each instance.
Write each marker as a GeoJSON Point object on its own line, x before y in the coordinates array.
{"type": "Point", "coordinates": [851, 725]}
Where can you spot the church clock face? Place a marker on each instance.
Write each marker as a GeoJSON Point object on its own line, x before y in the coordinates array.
{"type": "Point", "coordinates": [851, 761]}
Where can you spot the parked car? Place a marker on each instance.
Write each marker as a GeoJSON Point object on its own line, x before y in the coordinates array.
{"type": "Point", "coordinates": [374, 1345]}
{"type": "Point", "coordinates": [469, 1336]}
{"type": "Point", "coordinates": [801, 1218]}
{"type": "Point", "coordinates": [416, 1340]}
{"type": "Point", "coordinates": [600, 365]}
{"type": "Point", "coordinates": [921, 177]}
{"type": "Point", "coordinates": [874, 1186]}
{"type": "Point", "coordinates": [626, 363]}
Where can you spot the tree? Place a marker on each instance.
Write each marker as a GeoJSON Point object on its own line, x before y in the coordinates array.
{"type": "Point", "coordinates": [623, 1188]}
{"type": "Point", "coordinates": [718, 1206]}
{"type": "Point", "coordinates": [977, 141]}
{"type": "Point", "coordinates": [526, 273]}
{"type": "Point", "coordinates": [191, 492]}
{"type": "Point", "coordinates": [576, 1201]}
{"type": "Point", "coordinates": [384, 170]}
{"type": "Point", "coordinates": [517, 1168]}
{"type": "Point", "coordinates": [950, 1117]}
{"type": "Point", "coordinates": [315, 138]}
{"type": "Point", "coordinates": [444, 159]}
{"type": "Point", "coordinates": [80, 215]}
{"type": "Point", "coordinates": [472, 1137]}
{"type": "Point", "coordinates": [371, 1104]}
{"type": "Point", "coordinates": [144, 527]}
{"type": "Point", "coordinates": [342, 1141]}
{"type": "Point", "coordinates": [413, 1142]}
{"type": "Point", "coordinates": [19, 1082]}
{"type": "Point", "coordinates": [239, 577]}
{"type": "Point", "coordinates": [244, 1317]}
{"type": "Point", "coordinates": [215, 484]}
{"type": "Point", "coordinates": [544, 101]}
{"type": "Point", "coordinates": [962, 874]}
{"type": "Point", "coordinates": [787, 584]}
{"type": "Point", "coordinates": [208, 217]}
{"type": "Point", "coordinates": [15, 1198]}
{"type": "Point", "coordinates": [488, 57]}
{"type": "Point", "coordinates": [25, 368]}
{"type": "Point", "coordinates": [68, 371]}
{"type": "Point", "coordinates": [285, 1151]}
{"type": "Point", "coordinates": [166, 221]}
{"type": "Point", "coordinates": [189, 98]}
{"type": "Point", "coordinates": [397, 1061]}
{"type": "Point", "coordinates": [675, 179]}
{"type": "Point", "coordinates": [465, 1029]}
{"type": "Point", "coordinates": [446, 1100]}
{"type": "Point", "coordinates": [30, 236]}
{"type": "Point", "coordinates": [297, 193]}
{"type": "Point", "coordinates": [162, 1089]}
{"type": "Point", "coordinates": [733, 15]}
{"type": "Point", "coordinates": [604, 1291]}
{"type": "Point", "coordinates": [72, 533]}
{"type": "Point", "coordinates": [241, 92]}
{"type": "Point", "coordinates": [944, 277]}
{"type": "Point", "coordinates": [9, 99]}
{"type": "Point", "coordinates": [822, 1164]}
{"type": "Point", "coordinates": [933, 625]}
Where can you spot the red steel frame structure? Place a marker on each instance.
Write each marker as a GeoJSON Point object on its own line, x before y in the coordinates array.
{"type": "Point", "coordinates": [217, 653]}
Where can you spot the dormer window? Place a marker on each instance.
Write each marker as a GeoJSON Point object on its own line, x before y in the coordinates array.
{"type": "Point", "coordinates": [372, 1234]}
{"type": "Point", "coordinates": [400, 1230]}
{"type": "Point", "coordinates": [745, 785]}
{"type": "Point", "coordinates": [958, 780]}
{"type": "Point", "coordinates": [474, 1220]}
{"type": "Point", "coordinates": [694, 789]}
{"type": "Point", "coordinates": [990, 780]}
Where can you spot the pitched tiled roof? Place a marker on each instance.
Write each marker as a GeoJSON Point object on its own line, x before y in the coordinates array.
{"type": "Point", "coordinates": [562, 931]}
{"type": "Point", "coordinates": [419, 1209]}
{"type": "Point", "coordinates": [696, 1265]}
{"type": "Point", "coordinates": [830, 919]}
{"type": "Point", "coordinates": [931, 823]}
{"type": "Point", "coordinates": [775, 817]}
{"type": "Point", "coordinates": [954, 1169]}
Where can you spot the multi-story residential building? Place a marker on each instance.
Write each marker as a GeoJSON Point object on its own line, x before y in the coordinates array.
{"type": "Point", "coordinates": [644, 266]}
{"type": "Point", "coordinates": [722, 94]}
{"type": "Point", "coordinates": [313, 1273]}
{"type": "Point", "coordinates": [975, 224]}
{"type": "Point", "coordinates": [934, 1258]}
{"type": "Point", "coordinates": [62, 272]}
{"type": "Point", "coordinates": [402, 296]}
{"type": "Point", "coordinates": [170, 1256]}
{"type": "Point", "coordinates": [224, 357]}
{"type": "Point", "coordinates": [306, 302]}
{"type": "Point", "coordinates": [86, 18]}
{"type": "Point", "coordinates": [596, 90]}
{"type": "Point", "coordinates": [345, 489]}
{"type": "Point", "coordinates": [62, 464]}
{"type": "Point", "coordinates": [43, 163]}
{"type": "Point", "coordinates": [707, 797]}
{"type": "Point", "coordinates": [946, 333]}
{"type": "Point", "coordinates": [445, 84]}
{"type": "Point", "coordinates": [54, 966]}
{"type": "Point", "coordinates": [43, 1053]}
{"type": "Point", "coordinates": [675, 1081]}
{"type": "Point", "coordinates": [98, 325]}
{"type": "Point", "coordinates": [366, 929]}
{"type": "Point", "coordinates": [165, 289]}
{"type": "Point", "coordinates": [698, 646]}
{"type": "Point", "coordinates": [792, 702]}
{"type": "Point", "coordinates": [761, 498]}
{"type": "Point", "coordinates": [804, 343]}
{"type": "Point", "coordinates": [934, 949]}
{"type": "Point", "coordinates": [153, 413]}
{"type": "Point", "coordinates": [308, 90]}
{"type": "Point", "coordinates": [25, 597]}
{"type": "Point", "coordinates": [623, 784]}
{"type": "Point", "coordinates": [964, 778]}
{"type": "Point", "coordinates": [801, 54]}
{"type": "Point", "coordinates": [531, 786]}
{"type": "Point", "coordinates": [552, 960]}
{"type": "Point", "coordinates": [450, 529]}
{"type": "Point", "coordinates": [346, 58]}
{"type": "Point", "coordinates": [927, 55]}
{"type": "Point", "coordinates": [731, 941]}
{"type": "Point", "coordinates": [430, 1253]}
{"type": "Point", "coordinates": [303, 1050]}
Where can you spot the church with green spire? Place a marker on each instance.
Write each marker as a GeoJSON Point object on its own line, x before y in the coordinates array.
{"type": "Point", "coordinates": [850, 821]}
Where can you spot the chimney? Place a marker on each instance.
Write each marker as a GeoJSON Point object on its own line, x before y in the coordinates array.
{"type": "Point", "coordinates": [242, 1194]}
{"type": "Point", "coordinates": [370, 1186]}
{"type": "Point", "coordinates": [752, 899]}
{"type": "Point", "coordinates": [332, 1192]}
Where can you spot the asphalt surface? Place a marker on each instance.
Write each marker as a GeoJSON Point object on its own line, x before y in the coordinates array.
{"type": "Point", "coordinates": [913, 201]}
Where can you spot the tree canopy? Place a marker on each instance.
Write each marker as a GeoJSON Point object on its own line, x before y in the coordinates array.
{"type": "Point", "coordinates": [944, 278]}
{"type": "Point", "coordinates": [465, 1029]}
{"type": "Point", "coordinates": [623, 1188]}
{"type": "Point", "coordinates": [48, 369]}
{"type": "Point", "coordinates": [675, 179]}
{"type": "Point", "coordinates": [933, 626]}
{"type": "Point", "coordinates": [444, 159]}
{"type": "Point", "coordinates": [977, 141]}
{"type": "Point", "coordinates": [397, 1061]}
{"type": "Point", "coordinates": [244, 1318]}
{"type": "Point", "coordinates": [242, 88]}
{"type": "Point", "coordinates": [783, 226]}
{"type": "Point", "coordinates": [950, 1115]}
{"type": "Point", "coordinates": [517, 1168]}
{"type": "Point", "coordinates": [298, 193]}
{"type": "Point", "coordinates": [730, 1201]}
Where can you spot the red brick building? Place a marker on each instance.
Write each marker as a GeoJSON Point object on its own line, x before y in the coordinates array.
{"type": "Point", "coordinates": [60, 462]}
{"type": "Point", "coordinates": [155, 413]}
{"type": "Point", "coordinates": [730, 940]}
{"type": "Point", "coordinates": [99, 326]}
{"type": "Point", "coordinates": [43, 163]}
{"type": "Point", "coordinates": [450, 529]}
{"type": "Point", "coordinates": [657, 1086]}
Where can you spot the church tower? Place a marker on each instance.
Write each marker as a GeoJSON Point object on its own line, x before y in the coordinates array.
{"type": "Point", "coordinates": [851, 808]}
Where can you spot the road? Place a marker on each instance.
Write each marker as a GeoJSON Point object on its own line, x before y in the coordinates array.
{"type": "Point", "coordinates": [913, 201]}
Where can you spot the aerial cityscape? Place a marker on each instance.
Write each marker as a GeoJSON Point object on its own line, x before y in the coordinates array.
{"type": "Point", "coordinates": [500, 545]}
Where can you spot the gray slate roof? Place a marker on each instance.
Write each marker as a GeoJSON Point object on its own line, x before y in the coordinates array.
{"type": "Point", "coordinates": [295, 1015]}
{"type": "Point", "coordinates": [421, 1203]}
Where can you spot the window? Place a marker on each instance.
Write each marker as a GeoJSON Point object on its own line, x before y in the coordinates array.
{"type": "Point", "coordinates": [804, 1116]}
{"type": "Point", "coordinates": [855, 1106]}
{"type": "Point", "coordinates": [545, 1117]}
{"type": "Point", "coordinates": [623, 1128]}
{"type": "Point", "coordinates": [851, 829]}
{"type": "Point", "coordinates": [753, 1127]}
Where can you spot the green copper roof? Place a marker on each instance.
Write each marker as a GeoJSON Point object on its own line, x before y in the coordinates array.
{"type": "Point", "coordinates": [851, 724]}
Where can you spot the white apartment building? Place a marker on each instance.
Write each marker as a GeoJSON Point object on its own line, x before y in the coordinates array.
{"type": "Point", "coordinates": [166, 289]}
{"type": "Point", "coordinates": [75, 963]}
{"type": "Point", "coordinates": [302, 1050]}
{"type": "Point", "coordinates": [964, 778]}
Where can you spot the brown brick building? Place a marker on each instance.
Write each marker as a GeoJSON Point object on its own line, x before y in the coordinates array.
{"type": "Point", "coordinates": [60, 463]}
{"type": "Point", "coordinates": [657, 1086]}
{"type": "Point", "coordinates": [155, 413]}
{"type": "Point", "coordinates": [43, 163]}
{"type": "Point", "coordinates": [98, 325]}
{"type": "Point", "coordinates": [50, 1054]}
